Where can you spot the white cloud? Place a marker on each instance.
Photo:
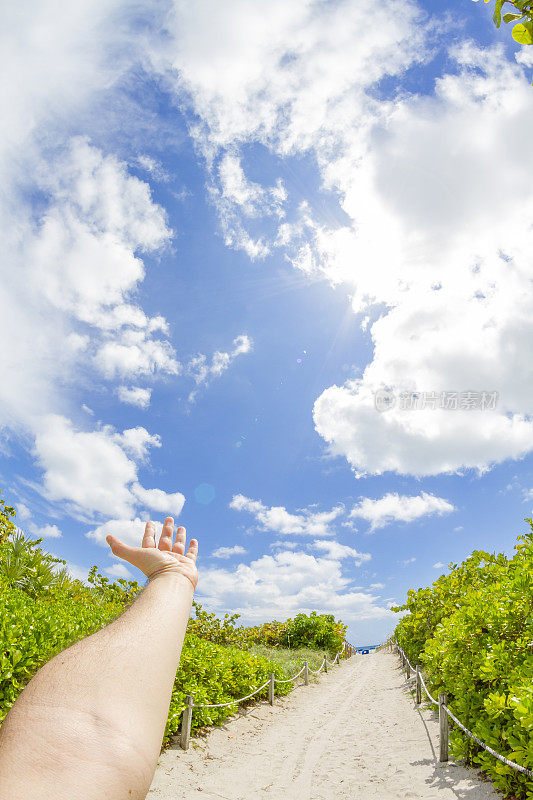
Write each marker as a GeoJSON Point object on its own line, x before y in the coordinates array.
{"type": "Point", "coordinates": [23, 512]}
{"type": "Point", "coordinates": [279, 520]}
{"type": "Point", "coordinates": [338, 551]}
{"type": "Point", "coordinates": [75, 227]}
{"type": "Point", "coordinates": [377, 585]}
{"type": "Point", "coordinates": [135, 441]}
{"type": "Point", "coordinates": [78, 265]}
{"type": "Point", "coordinates": [524, 56]}
{"type": "Point", "coordinates": [169, 504]}
{"type": "Point", "coordinates": [284, 584]}
{"type": "Point", "coordinates": [119, 571]}
{"type": "Point", "coordinates": [91, 469]}
{"type": "Point", "coordinates": [227, 552]}
{"type": "Point", "coordinates": [82, 258]}
{"type": "Point", "coordinates": [77, 572]}
{"type": "Point", "coordinates": [133, 355]}
{"type": "Point", "coordinates": [134, 396]}
{"type": "Point", "coordinates": [420, 442]}
{"type": "Point", "coordinates": [203, 372]}
{"type": "Point", "coordinates": [285, 545]}
{"type": "Point", "coordinates": [235, 196]}
{"type": "Point", "coordinates": [130, 531]}
{"type": "Point", "coordinates": [407, 561]}
{"type": "Point", "coordinates": [438, 565]}
{"type": "Point", "coordinates": [393, 507]}
{"type": "Point", "coordinates": [46, 531]}
{"type": "Point", "coordinates": [288, 78]}
{"type": "Point", "coordinates": [455, 206]}
{"type": "Point", "coordinates": [252, 198]}
{"type": "Point", "coordinates": [153, 167]}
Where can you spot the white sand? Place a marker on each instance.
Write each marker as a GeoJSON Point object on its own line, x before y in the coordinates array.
{"type": "Point", "coordinates": [354, 734]}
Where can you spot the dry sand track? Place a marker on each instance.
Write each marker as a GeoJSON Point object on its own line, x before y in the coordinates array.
{"type": "Point", "coordinates": [355, 734]}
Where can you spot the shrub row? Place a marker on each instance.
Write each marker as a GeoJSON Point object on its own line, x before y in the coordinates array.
{"type": "Point", "coordinates": [472, 632]}
{"type": "Point", "coordinates": [318, 631]}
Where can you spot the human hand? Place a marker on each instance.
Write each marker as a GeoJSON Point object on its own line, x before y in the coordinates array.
{"type": "Point", "coordinates": [154, 561]}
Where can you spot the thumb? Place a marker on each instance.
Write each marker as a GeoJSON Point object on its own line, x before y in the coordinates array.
{"type": "Point", "coordinates": [119, 548]}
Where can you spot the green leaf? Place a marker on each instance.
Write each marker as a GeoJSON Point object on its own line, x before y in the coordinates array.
{"type": "Point", "coordinates": [511, 17]}
{"type": "Point", "coordinates": [523, 34]}
{"type": "Point", "coordinates": [497, 16]}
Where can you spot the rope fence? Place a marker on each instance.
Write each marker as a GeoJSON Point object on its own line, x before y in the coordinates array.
{"type": "Point", "coordinates": [445, 712]}
{"type": "Point", "coordinates": [187, 710]}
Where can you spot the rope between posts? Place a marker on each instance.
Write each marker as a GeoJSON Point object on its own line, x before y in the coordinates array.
{"type": "Point", "coordinates": [238, 700]}
{"type": "Point", "coordinates": [421, 676]}
{"type": "Point", "coordinates": [450, 713]}
{"type": "Point", "coordinates": [435, 703]}
{"type": "Point", "coordinates": [287, 680]}
{"type": "Point", "coordinates": [276, 680]}
{"type": "Point", "coordinates": [316, 671]}
{"type": "Point", "coordinates": [526, 771]}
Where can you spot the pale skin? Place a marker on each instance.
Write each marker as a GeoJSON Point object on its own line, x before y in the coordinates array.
{"type": "Point", "coordinates": [90, 723]}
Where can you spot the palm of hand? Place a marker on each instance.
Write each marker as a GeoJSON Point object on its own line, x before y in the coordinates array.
{"type": "Point", "coordinates": [166, 558]}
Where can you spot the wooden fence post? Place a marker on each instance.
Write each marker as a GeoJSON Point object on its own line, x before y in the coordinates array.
{"type": "Point", "coordinates": [443, 725]}
{"type": "Point", "coordinates": [271, 689]}
{"type": "Point", "coordinates": [186, 720]}
{"type": "Point", "coordinates": [306, 673]}
{"type": "Point", "coordinates": [418, 686]}
{"type": "Point", "coordinates": [408, 669]}
{"type": "Point", "coordinates": [325, 663]}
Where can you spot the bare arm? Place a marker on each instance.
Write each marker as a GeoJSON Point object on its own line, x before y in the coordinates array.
{"type": "Point", "coordinates": [90, 723]}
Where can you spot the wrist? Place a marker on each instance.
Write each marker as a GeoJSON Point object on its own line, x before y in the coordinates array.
{"type": "Point", "coordinates": [172, 578]}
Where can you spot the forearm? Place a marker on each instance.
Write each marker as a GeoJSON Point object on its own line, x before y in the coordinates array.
{"type": "Point", "coordinates": [100, 706]}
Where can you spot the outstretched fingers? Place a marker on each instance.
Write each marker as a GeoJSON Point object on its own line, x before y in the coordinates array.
{"type": "Point", "coordinates": [165, 541]}
{"type": "Point", "coordinates": [149, 535]}
{"type": "Point", "coordinates": [192, 552]}
{"type": "Point", "coordinates": [179, 544]}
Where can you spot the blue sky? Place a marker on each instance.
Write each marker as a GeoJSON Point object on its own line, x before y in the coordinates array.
{"type": "Point", "coordinates": [223, 235]}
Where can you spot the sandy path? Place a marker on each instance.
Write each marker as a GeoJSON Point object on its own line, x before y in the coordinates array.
{"type": "Point", "coordinates": [355, 734]}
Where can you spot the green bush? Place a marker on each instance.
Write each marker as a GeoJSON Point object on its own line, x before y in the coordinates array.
{"type": "Point", "coordinates": [472, 632]}
{"type": "Point", "coordinates": [217, 674]}
{"type": "Point", "coordinates": [316, 630]}
{"type": "Point", "coordinates": [32, 631]}
{"type": "Point", "coordinates": [209, 627]}
{"type": "Point", "coordinates": [268, 633]}
{"type": "Point", "coordinates": [7, 526]}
